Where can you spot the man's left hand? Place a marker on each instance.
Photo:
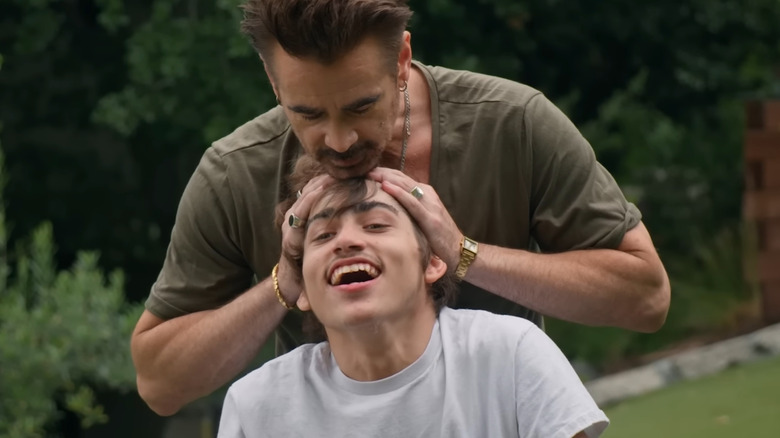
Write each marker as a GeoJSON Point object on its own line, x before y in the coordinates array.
{"type": "Point", "coordinates": [427, 210]}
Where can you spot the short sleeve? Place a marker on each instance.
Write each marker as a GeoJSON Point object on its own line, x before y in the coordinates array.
{"type": "Point", "coordinates": [575, 202]}
{"type": "Point", "coordinates": [552, 402]}
{"type": "Point", "coordinates": [230, 422]}
{"type": "Point", "coordinates": [204, 267]}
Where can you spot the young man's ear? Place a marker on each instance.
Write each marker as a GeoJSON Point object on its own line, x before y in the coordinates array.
{"type": "Point", "coordinates": [435, 270]}
{"type": "Point", "coordinates": [303, 301]}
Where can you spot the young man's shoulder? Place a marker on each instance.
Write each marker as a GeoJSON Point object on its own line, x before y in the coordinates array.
{"type": "Point", "coordinates": [482, 329]}
{"type": "Point", "coordinates": [469, 88]}
{"type": "Point", "coordinates": [287, 366]}
{"type": "Point", "coordinates": [279, 379]}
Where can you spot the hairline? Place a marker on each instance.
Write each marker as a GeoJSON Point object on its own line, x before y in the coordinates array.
{"type": "Point", "coordinates": [267, 57]}
{"type": "Point", "coordinates": [363, 206]}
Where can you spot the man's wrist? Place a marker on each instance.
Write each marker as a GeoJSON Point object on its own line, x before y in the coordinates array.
{"type": "Point", "coordinates": [278, 291]}
{"type": "Point", "coordinates": [468, 252]}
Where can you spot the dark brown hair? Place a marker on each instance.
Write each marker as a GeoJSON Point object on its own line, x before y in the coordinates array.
{"type": "Point", "coordinates": [324, 30]}
{"type": "Point", "coordinates": [346, 194]}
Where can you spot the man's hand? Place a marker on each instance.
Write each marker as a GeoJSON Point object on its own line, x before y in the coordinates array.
{"type": "Point", "coordinates": [624, 287]}
{"type": "Point", "coordinates": [292, 238]}
{"type": "Point", "coordinates": [184, 358]}
{"type": "Point", "coordinates": [428, 211]}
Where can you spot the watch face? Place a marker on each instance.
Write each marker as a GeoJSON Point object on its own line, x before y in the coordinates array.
{"type": "Point", "coordinates": [470, 245]}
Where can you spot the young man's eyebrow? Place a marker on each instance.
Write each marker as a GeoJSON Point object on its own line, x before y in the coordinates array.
{"type": "Point", "coordinates": [370, 205]}
{"type": "Point", "coordinates": [360, 207]}
{"type": "Point", "coordinates": [352, 106]}
{"type": "Point", "coordinates": [324, 214]}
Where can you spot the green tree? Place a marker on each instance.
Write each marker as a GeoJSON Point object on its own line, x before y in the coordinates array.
{"type": "Point", "coordinates": [63, 335]}
{"type": "Point", "coordinates": [115, 100]}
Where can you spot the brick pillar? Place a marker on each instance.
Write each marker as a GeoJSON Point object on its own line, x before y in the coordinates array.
{"type": "Point", "coordinates": [762, 197]}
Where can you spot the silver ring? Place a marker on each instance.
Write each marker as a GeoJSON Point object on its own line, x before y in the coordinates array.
{"type": "Point", "coordinates": [298, 195]}
{"type": "Point", "coordinates": [294, 221]}
{"type": "Point", "coordinates": [417, 192]}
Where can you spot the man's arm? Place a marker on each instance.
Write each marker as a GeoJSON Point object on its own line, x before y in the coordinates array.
{"type": "Point", "coordinates": [625, 287]}
{"type": "Point", "coordinates": [188, 357]}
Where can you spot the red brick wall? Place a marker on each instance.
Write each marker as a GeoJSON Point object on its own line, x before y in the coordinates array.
{"type": "Point", "coordinates": [762, 197]}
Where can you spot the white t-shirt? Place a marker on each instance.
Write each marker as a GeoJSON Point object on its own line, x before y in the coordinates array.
{"type": "Point", "coordinates": [481, 375]}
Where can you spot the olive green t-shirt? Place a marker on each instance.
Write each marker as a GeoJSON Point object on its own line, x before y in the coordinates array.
{"type": "Point", "coordinates": [510, 167]}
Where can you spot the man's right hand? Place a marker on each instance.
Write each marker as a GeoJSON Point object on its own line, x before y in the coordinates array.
{"type": "Point", "coordinates": [292, 238]}
{"type": "Point", "coordinates": [182, 359]}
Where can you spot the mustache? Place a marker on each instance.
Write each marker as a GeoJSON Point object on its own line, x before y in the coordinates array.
{"type": "Point", "coordinates": [355, 149]}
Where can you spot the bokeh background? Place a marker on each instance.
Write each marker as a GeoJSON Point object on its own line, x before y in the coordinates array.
{"type": "Point", "coordinates": [107, 106]}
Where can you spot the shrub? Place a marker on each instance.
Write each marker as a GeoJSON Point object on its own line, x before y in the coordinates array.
{"type": "Point", "coordinates": [63, 335]}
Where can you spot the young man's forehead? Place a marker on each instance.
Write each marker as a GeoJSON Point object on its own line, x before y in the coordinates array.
{"type": "Point", "coordinates": [336, 202]}
{"type": "Point", "coordinates": [361, 207]}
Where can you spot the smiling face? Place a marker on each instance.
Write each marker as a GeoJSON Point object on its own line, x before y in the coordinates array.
{"type": "Point", "coordinates": [362, 263]}
{"type": "Point", "coordinates": [344, 112]}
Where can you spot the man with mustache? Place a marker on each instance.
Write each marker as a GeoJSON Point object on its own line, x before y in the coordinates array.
{"type": "Point", "coordinates": [505, 188]}
{"type": "Point", "coordinates": [397, 362]}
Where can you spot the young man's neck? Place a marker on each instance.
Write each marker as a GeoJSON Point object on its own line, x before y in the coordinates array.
{"type": "Point", "coordinates": [376, 351]}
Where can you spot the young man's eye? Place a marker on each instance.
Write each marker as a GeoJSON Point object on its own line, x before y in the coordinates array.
{"type": "Point", "coordinates": [322, 236]}
{"type": "Point", "coordinates": [376, 226]}
{"type": "Point", "coordinates": [310, 116]}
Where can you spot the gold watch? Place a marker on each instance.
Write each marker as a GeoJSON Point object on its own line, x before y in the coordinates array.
{"type": "Point", "coordinates": [468, 252]}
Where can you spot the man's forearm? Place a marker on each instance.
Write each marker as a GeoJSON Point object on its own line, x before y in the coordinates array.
{"type": "Point", "coordinates": [625, 288]}
{"type": "Point", "coordinates": [185, 358]}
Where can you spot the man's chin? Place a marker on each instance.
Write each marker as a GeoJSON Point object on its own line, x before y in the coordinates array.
{"type": "Point", "coordinates": [360, 169]}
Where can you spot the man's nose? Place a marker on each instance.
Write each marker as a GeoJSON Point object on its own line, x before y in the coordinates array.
{"type": "Point", "coordinates": [340, 137]}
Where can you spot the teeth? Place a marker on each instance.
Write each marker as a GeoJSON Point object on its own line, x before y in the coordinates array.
{"type": "Point", "coordinates": [335, 278]}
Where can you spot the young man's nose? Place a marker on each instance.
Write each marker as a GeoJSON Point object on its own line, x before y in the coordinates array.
{"type": "Point", "coordinates": [349, 239]}
{"type": "Point", "coordinates": [340, 138]}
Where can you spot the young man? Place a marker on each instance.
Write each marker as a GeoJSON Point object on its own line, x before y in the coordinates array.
{"type": "Point", "coordinates": [498, 170]}
{"type": "Point", "coordinates": [396, 363]}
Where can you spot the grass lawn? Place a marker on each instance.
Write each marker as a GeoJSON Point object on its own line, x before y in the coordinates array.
{"type": "Point", "coordinates": [740, 402]}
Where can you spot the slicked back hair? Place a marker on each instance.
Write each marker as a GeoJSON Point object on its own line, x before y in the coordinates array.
{"type": "Point", "coordinates": [324, 30]}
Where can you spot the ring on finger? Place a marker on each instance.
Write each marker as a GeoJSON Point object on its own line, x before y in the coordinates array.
{"type": "Point", "coordinates": [417, 192]}
{"type": "Point", "coordinates": [294, 221]}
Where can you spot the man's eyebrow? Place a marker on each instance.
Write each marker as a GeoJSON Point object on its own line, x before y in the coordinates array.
{"type": "Point", "coordinates": [363, 101]}
{"type": "Point", "coordinates": [352, 106]}
{"type": "Point", "coordinates": [303, 109]}
{"type": "Point", "coordinates": [360, 207]}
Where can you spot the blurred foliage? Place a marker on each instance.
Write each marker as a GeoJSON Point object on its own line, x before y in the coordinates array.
{"type": "Point", "coordinates": [63, 334]}
{"type": "Point", "coordinates": [715, 293]}
{"type": "Point", "coordinates": [109, 104]}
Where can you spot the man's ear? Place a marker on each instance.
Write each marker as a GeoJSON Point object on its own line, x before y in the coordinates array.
{"type": "Point", "coordinates": [271, 80]}
{"type": "Point", "coordinates": [405, 58]}
{"type": "Point", "coordinates": [435, 270]}
{"type": "Point", "coordinates": [303, 301]}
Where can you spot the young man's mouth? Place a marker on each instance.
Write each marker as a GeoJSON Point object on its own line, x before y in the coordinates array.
{"type": "Point", "coordinates": [351, 273]}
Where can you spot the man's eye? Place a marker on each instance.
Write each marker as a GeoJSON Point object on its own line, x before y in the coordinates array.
{"type": "Point", "coordinates": [376, 226]}
{"type": "Point", "coordinates": [310, 116]}
{"type": "Point", "coordinates": [362, 110]}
